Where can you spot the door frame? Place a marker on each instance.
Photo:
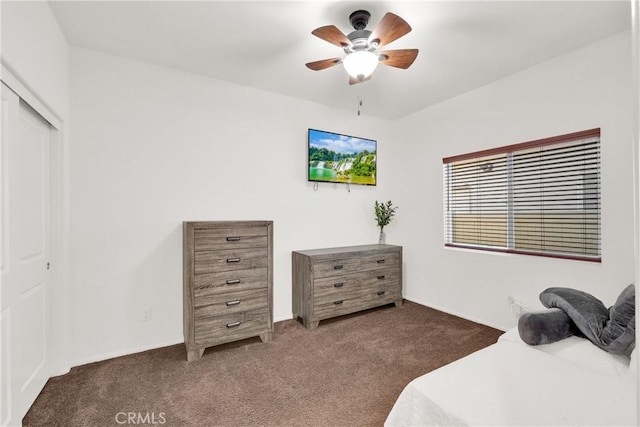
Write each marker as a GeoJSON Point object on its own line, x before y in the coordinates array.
{"type": "Point", "coordinates": [59, 219]}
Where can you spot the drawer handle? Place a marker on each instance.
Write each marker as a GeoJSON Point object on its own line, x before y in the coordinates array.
{"type": "Point", "coordinates": [233, 282]}
{"type": "Point", "coordinates": [381, 277]}
{"type": "Point", "coordinates": [230, 260]}
{"type": "Point", "coordinates": [233, 239]}
{"type": "Point", "coordinates": [379, 293]}
{"type": "Point", "coordinates": [380, 261]}
{"type": "Point", "coordinates": [338, 302]}
{"type": "Point", "coordinates": [230, 303]}
{"type": "Point", "coordinates": [337, 267]}
{"type": "Point", "coordinates": [338, 285]}
{"type": "Point", "coordinates": [233, 324]}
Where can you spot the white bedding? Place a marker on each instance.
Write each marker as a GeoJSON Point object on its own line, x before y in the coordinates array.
{"type": "Point", "coordinates": [511, 384]}
{"type": "Point", "coordinates": [577, 350]}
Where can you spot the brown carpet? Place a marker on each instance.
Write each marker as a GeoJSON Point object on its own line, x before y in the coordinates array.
{"type": "Point", "coordinates": [347, 372]}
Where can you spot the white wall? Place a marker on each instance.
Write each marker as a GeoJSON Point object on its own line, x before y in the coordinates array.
{"type": "Point", "coordinates": [34, 48]}
{"type": "Point", "coordinates": [152, 147]}
{"type": "Point", "coordinates": [585, 89]}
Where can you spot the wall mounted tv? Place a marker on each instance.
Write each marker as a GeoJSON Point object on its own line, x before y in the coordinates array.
{"type": "Point", "coordinates": [334, 157]}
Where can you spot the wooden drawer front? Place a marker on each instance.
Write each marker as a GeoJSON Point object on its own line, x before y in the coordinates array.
{"type": "Point", "coordinates": [207, 239]}
{"type": "Point", "coordinates": [381, 276]}
{"type": "Point", "coordinates": [382, 294]}
{"type": "Point", "coordinates": [381, 259]}
{"type": "Point", "coordinates": [336, 267]}
{"type": "Point", "coordinates": [327, 286]}
{"type": "Point", "coordinates": [231, 326]}
{"type": "Point", "coordinates": [231, 302]}
{"type": "Point", "coordinates": [331, 307]}
{"type": "Point", "coordinates": [232, 259]}
{"type": "Point", "coordinates": [227, 281]}
{"type": "Point", "coordinates": [340, 294]}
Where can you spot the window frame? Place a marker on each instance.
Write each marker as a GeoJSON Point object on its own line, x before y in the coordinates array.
{"type": "Point", "coordinates": [508, 151]}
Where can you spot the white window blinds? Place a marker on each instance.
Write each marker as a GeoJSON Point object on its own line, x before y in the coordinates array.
{"type": "Point", "coordinates": [540, 198]}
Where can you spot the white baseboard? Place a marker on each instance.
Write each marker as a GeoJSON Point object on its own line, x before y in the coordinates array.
{"type": "Point", "coordinates": [283, 318]}
{"type": "Point", "coordinates": [458, 314]}
{"type": "Point", "coordinates": [125, 352]}
{"type": "Point", "coordinates": [60, 371]}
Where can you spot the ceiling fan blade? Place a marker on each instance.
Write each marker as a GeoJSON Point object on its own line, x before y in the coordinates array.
{"type": "Point", "coordinates": [390, 28]}
{"type": "Point", "coordinates": [399, 58]}
{"type": "Point", "coordinates": [354, 81]}
{"type": "Point", "coordinates": [323, 64]}
{"type": "Point", "coordinates": [332, 34]}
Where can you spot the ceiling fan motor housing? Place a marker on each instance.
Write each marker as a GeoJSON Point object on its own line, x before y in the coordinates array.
{"type": "Point", "coordinates": [360, 37]}
{"type": "Point", "coordinates": [359, 19]}
{"type": "Point", "coordinates": [359, 40]}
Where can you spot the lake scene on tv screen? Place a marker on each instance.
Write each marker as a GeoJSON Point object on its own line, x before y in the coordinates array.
{"type": "Point", "coordinates": [341, 158]}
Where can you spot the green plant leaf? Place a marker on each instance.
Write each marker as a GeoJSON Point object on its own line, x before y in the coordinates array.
{"type": "Point", "coordinates": [384, 212]}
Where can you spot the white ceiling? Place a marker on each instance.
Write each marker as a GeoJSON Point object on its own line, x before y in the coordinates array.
{"type": "Point", "coordinates": [265, 44]}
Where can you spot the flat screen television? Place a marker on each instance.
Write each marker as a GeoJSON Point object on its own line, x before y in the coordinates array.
{"type": "Point", "coordinates": [335, 157]}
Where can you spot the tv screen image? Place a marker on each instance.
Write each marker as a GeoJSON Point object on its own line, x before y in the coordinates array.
{"type": "Point", "coordinates": [335, 157]}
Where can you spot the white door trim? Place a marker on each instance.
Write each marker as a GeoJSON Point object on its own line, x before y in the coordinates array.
{"type": "Point", "coordinates": [16, 85]}
{"type": "Point", "coordinates": [59, 218]}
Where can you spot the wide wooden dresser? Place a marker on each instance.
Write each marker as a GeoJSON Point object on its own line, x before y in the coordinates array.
{"type": "Point", "coordinates": [336, 281]}
{"type": "Point", "coordinates": [228, 283]}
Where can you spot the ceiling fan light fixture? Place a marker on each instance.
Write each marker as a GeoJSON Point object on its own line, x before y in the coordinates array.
{"type": "Point", "coordinates": [361, 45]}
{"type": "Point", "coordinates": [360, 64]}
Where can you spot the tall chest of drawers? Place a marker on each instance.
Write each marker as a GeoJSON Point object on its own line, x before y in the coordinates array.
{"type": "Point", "coordinates": [336, 281]}
{"type": "Point", "coordinates": [228, 283]}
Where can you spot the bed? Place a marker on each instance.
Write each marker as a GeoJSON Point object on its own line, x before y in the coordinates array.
{"type": "Point", "coordinates": [568, 382]}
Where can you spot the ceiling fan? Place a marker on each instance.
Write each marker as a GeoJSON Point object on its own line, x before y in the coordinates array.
{"type": "Point", "coordinates": [361, 46]}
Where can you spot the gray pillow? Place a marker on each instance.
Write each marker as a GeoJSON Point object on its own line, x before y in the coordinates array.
{"type": "Point", "coordinates": [619, 334]}
{"type": "Point", "coordinates": [612, 330]}
{"type": "Point", "coordinates": [544, 327]}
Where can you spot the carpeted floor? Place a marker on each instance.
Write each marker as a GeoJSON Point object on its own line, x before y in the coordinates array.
{"type": "Point", "coordinates": [347, 372]}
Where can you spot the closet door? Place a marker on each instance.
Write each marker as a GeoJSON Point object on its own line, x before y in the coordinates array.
{"type": "Point", "coordinates": [25, 318]}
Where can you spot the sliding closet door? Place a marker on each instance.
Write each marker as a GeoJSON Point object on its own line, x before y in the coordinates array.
{"type": "Point", "coordinates": [25, 318]}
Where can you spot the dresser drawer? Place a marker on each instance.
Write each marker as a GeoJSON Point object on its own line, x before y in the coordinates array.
{"type": "Point", "coordinates": [336, 294]}
{"type": "Point", "coordinates": [331, 307]}
{"type": "Point", "coordinates": [337, 285]}
{"type": "Point", "coordinates": [228, 281]}
{"type": "Point", "coordinates": [336, 267]}
{"type": "Point", "coordinates": [228, 326]}
{"type": "Point", "coordinates": [382, 294]}
{"type": "Point", "coordinates": [231, 302]}
{"type": "Point", "coordinates": [381, 259]}
{"type": "Point", "coordinates": [229, 260]}
{"type": "Point", "coordinates": [206, 239]}
{"type": "Point", "coordinates": [380, 276]}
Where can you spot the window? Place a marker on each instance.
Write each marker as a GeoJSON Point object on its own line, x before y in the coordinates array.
{"type": "Point", "coordinates": [538, 198]}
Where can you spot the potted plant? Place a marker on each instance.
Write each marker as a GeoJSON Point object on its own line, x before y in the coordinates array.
{"type": "Point", "coordinates": [385, 211]}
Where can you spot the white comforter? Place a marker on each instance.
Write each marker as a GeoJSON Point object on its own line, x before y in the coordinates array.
{"type": "Point", "coordinates": [512, 384]}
